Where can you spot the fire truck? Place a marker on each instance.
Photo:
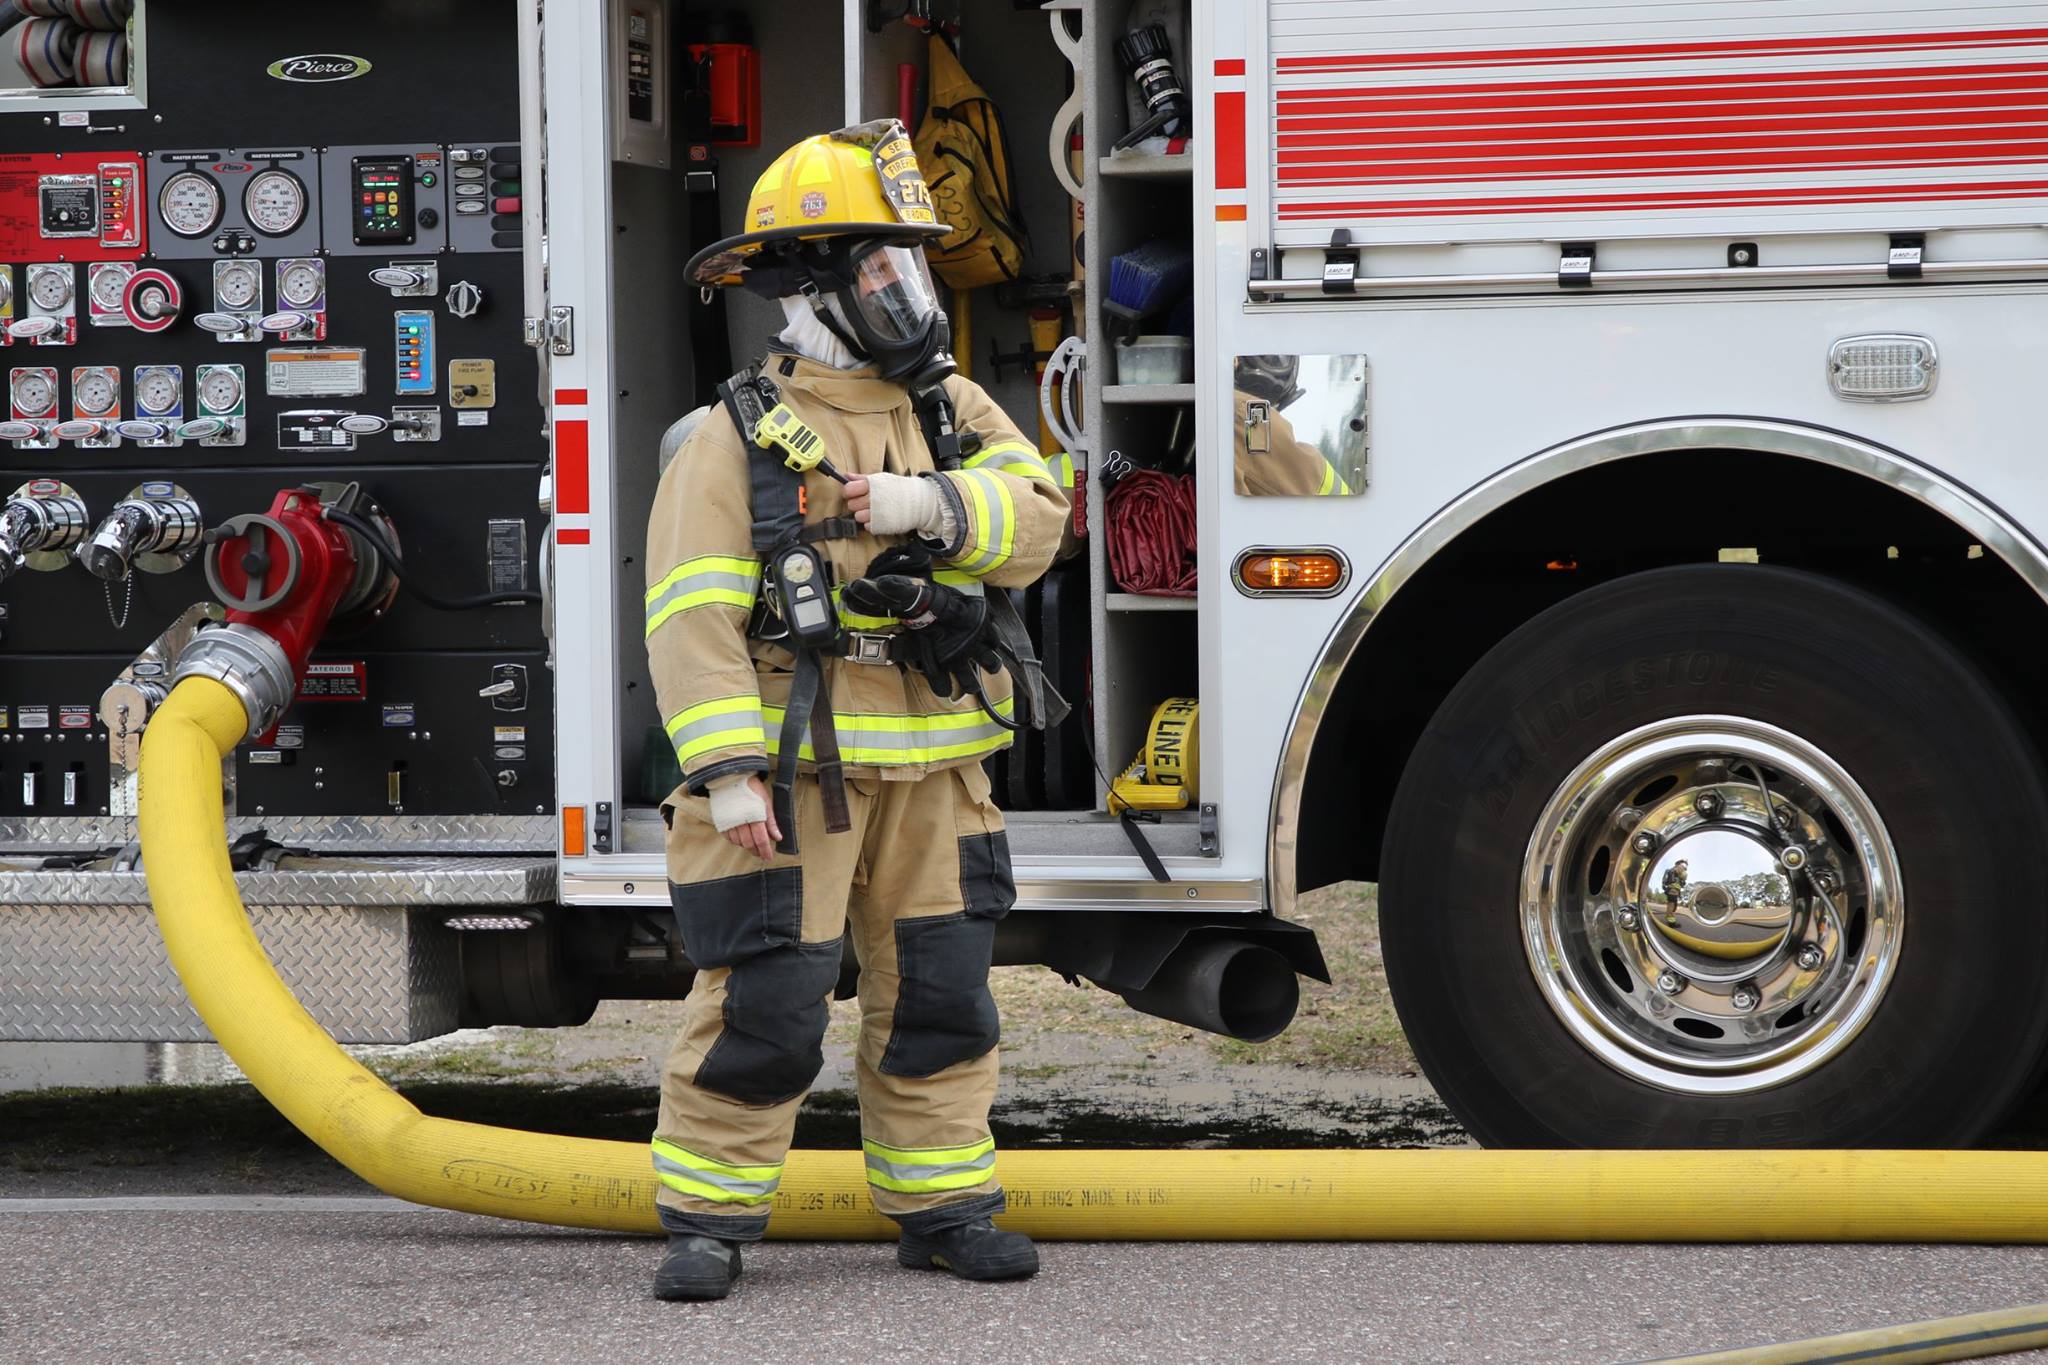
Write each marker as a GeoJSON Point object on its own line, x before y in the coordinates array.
{"type": "Point", "coordinates": [1575, 467]}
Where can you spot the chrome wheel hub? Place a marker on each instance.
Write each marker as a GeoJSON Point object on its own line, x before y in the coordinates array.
{"type": "Point", "coordinates": [1711, 905]}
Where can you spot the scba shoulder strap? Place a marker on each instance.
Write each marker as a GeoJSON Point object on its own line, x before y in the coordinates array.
{"type": "Point", "coordinates": [796, 604]}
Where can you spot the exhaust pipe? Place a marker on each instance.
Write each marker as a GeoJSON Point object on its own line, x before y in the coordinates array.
{"type": "Point", "coordinates": [1230, 986]}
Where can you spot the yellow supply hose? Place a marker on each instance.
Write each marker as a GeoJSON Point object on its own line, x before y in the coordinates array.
{"type": "Point", "coordinates": [1968, 1337]}
{"type": "Point", "coordinates": [1495, 1196]}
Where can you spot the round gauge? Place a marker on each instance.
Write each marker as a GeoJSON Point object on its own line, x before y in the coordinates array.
{"type": "Point", "coordinates": [298, 284]}
{"type": "Point", "coordinates": [107, 288]}
{"type": "Point", "coordinates": [220, 390]}
{"type": "Point", "coordinates": [6, 288]}
{"type": "Point", "coordinates": [156, 390]}
{"type": "Point", "coordinates": [190, 204]}
{"type": "Point", "coordinates": [237, 283]}
{"type": "Point", "coordinates": [51, 289]}
{"type": "Point", "coordinates": [34, 393]}
{"type": "Point", "coordinates": [275, 202]}
{"type": "Point", "coordinates": [94, 391]}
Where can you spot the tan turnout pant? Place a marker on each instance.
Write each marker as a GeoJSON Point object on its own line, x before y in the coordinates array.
{"type": "Point", "coordinates": [921, 880]}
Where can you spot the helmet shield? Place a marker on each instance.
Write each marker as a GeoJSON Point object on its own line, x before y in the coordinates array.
{"type": "Point", "coordinates": [893, 295]}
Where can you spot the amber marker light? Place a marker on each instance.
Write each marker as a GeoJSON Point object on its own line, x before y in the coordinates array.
{"type": "Point", "coordinates": [1308, 572]}
{"type": "Point", "coordinates": [573, 845]}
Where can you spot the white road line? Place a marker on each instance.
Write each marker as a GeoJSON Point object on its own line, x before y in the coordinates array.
{"type": "Point", "coordinates": [219, 1203]}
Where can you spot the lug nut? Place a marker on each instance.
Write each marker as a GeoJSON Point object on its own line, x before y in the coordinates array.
{"type": "Point", "coordinates": [1670, 982]}
{"type": "Point", "coordinates": [1629, 918]}
{"type": "Point", "coordinates": [1826, 880]}
{"type": "Point", "coordinates": [1810, 956]}
{"type": "Point", "coordinates": [1628, 817]}
{"type": "Point", "coordinates": [1708, 804]}
{"type": "Point", "coordinates": [1645, 841]}
{"type": "Point", "coordinates": [1793, 857]}
{"type": "Point", "coordinates": [1784, 817]}
{"type": "Point", "coordinates": [1745, 999]}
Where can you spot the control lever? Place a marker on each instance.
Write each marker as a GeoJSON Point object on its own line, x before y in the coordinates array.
{"type": "Point", "coordinates": [15, 429]}
{"type": "Point", "coordinates": [370, 424]}
{"type": "Point", "coordinates": [199, 428]}
{"type": "Point", "coordinates": [79, 429]}
{"type": "Point", "coordinates": [30, 327]}
{"type": "Point", "coordinates": [288, 324]}
{"type": "Point", "coordinates": [397, 277]}
{"type": "Point", "coordinates": [157, 531]}
{"type": "Point", "coordinates": [221, 324]}
{"type": "Point", "coordinates": [42, 519]}
{"type": "Point", "coordinates": [142, 429]}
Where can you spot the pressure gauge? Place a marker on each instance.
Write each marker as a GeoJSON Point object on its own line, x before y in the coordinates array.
{"type": "Point", "coordinates": [34, 393]}
{"type": "Point", "coordinates": [221, 390]}
{"type": "Point", "coordinates": [93, 391]}
{"type": "Point", "coordinates": [49, 287]}
{"type": "Point", "coordinates": [237, 284]}
{"type": "Point", "coordinates": [299, 283]}
{"type": "Point", "coordinates": [190, 204]}
{"type": "Point", "coordinates": [6, 288]}
{"type": "Point", "coordinates": [156, 390]}
{"type": "Point", "coordinates": [108, 284]}
{"type": "Point", "coordinates": [275, 202]}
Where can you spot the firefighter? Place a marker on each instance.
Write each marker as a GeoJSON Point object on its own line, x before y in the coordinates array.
{"type": "Point", "coordinates": [832, 674]}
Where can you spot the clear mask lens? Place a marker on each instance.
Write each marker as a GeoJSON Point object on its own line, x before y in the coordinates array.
{"type": "Point", "coordinates": [893, 291]}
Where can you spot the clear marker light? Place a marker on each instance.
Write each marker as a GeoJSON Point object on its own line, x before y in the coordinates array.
{"type": "Point", "coordinates": [1882, 368]}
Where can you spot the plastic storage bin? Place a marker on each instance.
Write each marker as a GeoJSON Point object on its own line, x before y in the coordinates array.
{"type": "Point", "coordinates": [1155, 360]}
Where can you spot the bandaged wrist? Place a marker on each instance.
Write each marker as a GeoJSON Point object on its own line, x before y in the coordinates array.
{"type": "Point", "coordinates": [899, 504]}
{"type": "Point", "coordinates": [734, 802]}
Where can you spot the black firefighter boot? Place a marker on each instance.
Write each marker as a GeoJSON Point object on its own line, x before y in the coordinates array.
{"type": "Point", "coordinates": [974, 1251]}
{"type": "Point", "coordinates": [697, 1268]}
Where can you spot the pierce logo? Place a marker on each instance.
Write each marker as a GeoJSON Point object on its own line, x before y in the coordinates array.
{"type": "Point", "coordinates": [319, 66]}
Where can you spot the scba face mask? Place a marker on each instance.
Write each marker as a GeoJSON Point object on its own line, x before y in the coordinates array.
{"type": "Point", "coordinates": [885, 293]}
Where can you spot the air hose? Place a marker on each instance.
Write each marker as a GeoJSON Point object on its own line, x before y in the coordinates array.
{"type": "Point", "coordinates": [1493, 1196]}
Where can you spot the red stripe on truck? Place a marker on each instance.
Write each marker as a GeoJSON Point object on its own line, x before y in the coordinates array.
{"type": "Point", "coordinates": [1666, 52]}
{"type": "Point", "coordinates": [572, 465]}
{"type": "Point", "coordinates": [1229, 124]}
{"type": "Point", "coordinates": [1666, 199]}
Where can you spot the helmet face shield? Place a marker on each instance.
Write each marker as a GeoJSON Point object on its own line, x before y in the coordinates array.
{"type": "Point", "coordinates": [892, 292]}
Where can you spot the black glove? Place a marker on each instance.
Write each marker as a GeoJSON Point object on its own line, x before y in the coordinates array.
{"type": "Point", "coordinates": [943, 629]}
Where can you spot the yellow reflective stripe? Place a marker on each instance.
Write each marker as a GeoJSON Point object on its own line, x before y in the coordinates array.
{"type": "Point", "coordinates": [956, 578]}
{"type": "Point", "coordinates": [887, 741]}
{"type": "Point", "coordinates": [1062, 467]}
{"type": "Point", "coordinates": [1010, 457]}
{"type": "Point", "coordinates": [686, 1172]}
{"type": "Point", "coordinates": [911, 1170]}
{"type": "Point", "coordinates": [992, 519]}
{"type": "Point", "coordinates": [722, 723]}
{"type": "Point", "coordinates": [707, 580]}
{"type": "Point", "coordinates": [854, 620]}
{"type": "Point", "coordinates": [1329, 484]}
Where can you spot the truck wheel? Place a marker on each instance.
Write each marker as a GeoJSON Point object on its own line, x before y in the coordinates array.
{"type": "Point", "coordinates": [1721, 856]}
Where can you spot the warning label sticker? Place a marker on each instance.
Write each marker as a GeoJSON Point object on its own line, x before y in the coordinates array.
{"type": "Point", "coordinates": [314, 372]}
{"type": "Point", "coordinates": [348, 681]}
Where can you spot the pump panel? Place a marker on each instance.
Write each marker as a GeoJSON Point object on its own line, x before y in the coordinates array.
{"type": "Point", "coordinates": [257, 284]}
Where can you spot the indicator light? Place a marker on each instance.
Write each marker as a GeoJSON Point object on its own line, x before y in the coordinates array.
{"type": "Point", "coordinates": [1303, 571]}
{"type": "Point", "coordinates": [1882, 368]}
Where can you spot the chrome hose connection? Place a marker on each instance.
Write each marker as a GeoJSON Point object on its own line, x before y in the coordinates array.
{"type": "Point", "coordinates": [249, 664]}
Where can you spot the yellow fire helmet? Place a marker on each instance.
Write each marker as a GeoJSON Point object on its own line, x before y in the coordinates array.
{"type": "Point", "coordinates": [861, 181]}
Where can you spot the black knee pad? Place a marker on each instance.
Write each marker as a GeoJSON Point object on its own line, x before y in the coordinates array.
{"type": "Point", "coordinates": [731, 919]}
{"type": "Point", "coordinates": [944, 1012]}
{"type": "Point", "coordinates": [770, 1049]}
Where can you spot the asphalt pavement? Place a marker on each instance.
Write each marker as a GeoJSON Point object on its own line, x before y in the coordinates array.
{"type": "Point", "coordinates": [365, 1278]}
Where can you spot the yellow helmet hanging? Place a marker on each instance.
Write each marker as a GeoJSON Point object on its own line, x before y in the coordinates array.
{"type": "Point", "coordinates": [861, 181]}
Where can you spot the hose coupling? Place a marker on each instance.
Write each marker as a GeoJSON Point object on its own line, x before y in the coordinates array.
{"type": "Point", "coordinates": [249, 664]}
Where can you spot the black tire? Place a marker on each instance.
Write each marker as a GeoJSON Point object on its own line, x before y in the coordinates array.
{"type": "Point", "coordinates": [1955, 1041]}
